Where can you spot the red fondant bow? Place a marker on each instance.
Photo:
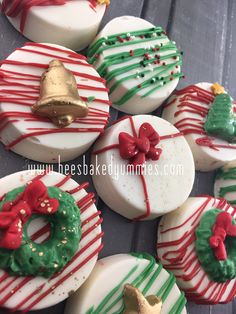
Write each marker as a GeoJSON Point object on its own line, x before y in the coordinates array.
{"type": "Point", "coordinates": [222, 228]}
{"type": "Point", "coordinates": [34, 200]}
{"type": "Point", "coordinates": [139, 149]}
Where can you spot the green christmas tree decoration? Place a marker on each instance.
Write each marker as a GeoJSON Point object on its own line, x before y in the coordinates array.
{"type": "Point", "coordinates": [221, 120]}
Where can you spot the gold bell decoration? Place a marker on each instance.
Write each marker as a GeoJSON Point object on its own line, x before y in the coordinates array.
{"type": "Point", "coordinates": [59, 98]}
{"type": "Point", "coordinates": [136, 303]}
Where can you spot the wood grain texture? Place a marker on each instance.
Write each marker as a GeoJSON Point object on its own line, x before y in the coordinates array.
{"type": "Point", "coordinates": [205, 31]}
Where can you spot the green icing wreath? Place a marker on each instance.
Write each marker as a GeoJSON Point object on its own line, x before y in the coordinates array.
{"type": "Point", "coordinates": [51, 256]}
{"type": "Point", "coordinates": [218, 271]}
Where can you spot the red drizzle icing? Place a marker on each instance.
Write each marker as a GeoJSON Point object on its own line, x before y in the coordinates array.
{"type": "Point", "coordinates": [185, 261]}
{"type": "Point", "coordinates": [15, 8]}
{"type": "Point", "coordinates": [189, 125]}
{"type": "Point", "coordinates": [121, 147]}
{"type": "Point", "coordinates": [38, 294]}
{"type": "Point", "coordinates": [20, 88]}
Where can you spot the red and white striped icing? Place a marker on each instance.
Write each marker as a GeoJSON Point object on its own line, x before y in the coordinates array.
{"type": "Point", "coordinates": [187, 109]}
{"type": "Point", "coordinates": [35, 137]}
{"type": "Point", "coordinates": [176, 251]}
{"type": "Point", "coordinates": [31, 293]}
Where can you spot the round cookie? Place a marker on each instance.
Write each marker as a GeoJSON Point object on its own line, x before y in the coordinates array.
{"type": "Point", "coordinates": [72, 24]}
{"type": "Point", "coordinates": [33, 293]}
{"type": "Point", "coordinates": [139, 62]}
{"type": "Point", "coordinates": [102, 292]}
{"type": "Point", "coordinates": [38, 138]}
{"type": "Point", "coordinates": [188, 109]}
{"type": "Point", "coordinates": [225, 183]}
{"type": "Point", "coordinates": [138, 164]}
{"type": "Point", "coordinates": [197, 243]}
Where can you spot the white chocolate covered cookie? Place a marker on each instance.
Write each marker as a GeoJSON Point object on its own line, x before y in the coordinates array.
{"type": "Point", "coordinates": [188, 109]}
{"type": "Point", "coordinates": [139, 163]}
{"type": "Point", "coordinates": [72, 24]}
{"type": "Point", "coordinates": [197, 243]}
{"type": "Point", "coordinates": [33, 293]}
{"type": "Point", "coordinates": [139, 62]}
{"type": "Point", "coordinates": [37, 137]}
{"type": "Point", "coordinates": [102, 292]}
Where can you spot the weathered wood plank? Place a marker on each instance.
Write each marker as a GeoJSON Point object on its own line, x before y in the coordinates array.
{"type": "Point", "coordinates": [119, 8]}
{"type": "Point", "coordinates": [199, 28]}
{"type": "Point", "coordinates": [229, 75]}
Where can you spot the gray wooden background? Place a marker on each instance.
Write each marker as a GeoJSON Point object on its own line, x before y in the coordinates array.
{"type": "Point", "coordinates": [206, 31]}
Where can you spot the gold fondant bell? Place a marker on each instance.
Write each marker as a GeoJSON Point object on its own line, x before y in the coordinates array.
{"type": "Point", "coordinates": [59, 98]}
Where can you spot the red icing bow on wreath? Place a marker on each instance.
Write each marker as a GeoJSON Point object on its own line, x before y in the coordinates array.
{"type": "Point", "coordinates": [222, 228]}
{"type": "Point", "coordinates": [139, 149]}
{"type": "Point", "coordinates": [34, 200]}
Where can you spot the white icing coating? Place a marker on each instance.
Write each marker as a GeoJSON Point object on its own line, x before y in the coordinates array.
{"type": "Point", "coordinates": [73, 25]}
{"type": "Point", "coordinates": [123, 192]}
{"type": "Point", "coordinates": [180, 226]}
{"type": "Point", "coordinates": [137, 104]}
{"type": "Point", "coordinates": [107, 275]}
{"type": "Point", "coordinates": [47, 148]}
{"type": "Point", "coordinates": [227, 183]}
{"type": "Point", "coordinates": [206, 158]}
{"type": "Point", "coordinates": [74, 281]}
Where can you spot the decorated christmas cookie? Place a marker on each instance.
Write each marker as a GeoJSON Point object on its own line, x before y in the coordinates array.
{"type": "Point", "coordinates": [139, 163]}
{"type": "Point", "coordinates": [225, 183]}
{"type": "Point", "coordinates": [197, 243]}
{"type": "Point", "coordinates": [205, 114]}
{"type": "Point", "coordinates": [50, 237]}
{"type": "Point", "coordinates": [73, 24]}
{"type": "Point", "coordinates": [128, 283]}
{"type": "Point", "coordinates": [140, 63]}
{"type": "Point", "coordinates": [52, 103]}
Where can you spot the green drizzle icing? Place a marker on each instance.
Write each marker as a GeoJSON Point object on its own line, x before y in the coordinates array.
{"type": "Point", "coordinates": [162, 74]}
{"type": "Point", "coordinates": [218, 271]}
{"type": "Point", "coordinates": [227, 174]}
{"type": "Point", "coordinates": [152, 270]}
{"type": "Point", "coordinates": [91, 98]}
{"type": "Point", "coordinates": [221, 119]}
{"type": "Point", "coordinates": [51, 256]}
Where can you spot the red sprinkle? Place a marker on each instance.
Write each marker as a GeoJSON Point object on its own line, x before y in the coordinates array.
{"type": "Point", "coordinates": [121, 40]}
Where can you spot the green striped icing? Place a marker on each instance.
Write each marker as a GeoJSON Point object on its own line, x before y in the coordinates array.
{"type": "Point", "coordinates": [145, 61]}
{"type": "Point", "coordinates": [148, 275]}
{"type": "Point", "coordinates": [227, 174]}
